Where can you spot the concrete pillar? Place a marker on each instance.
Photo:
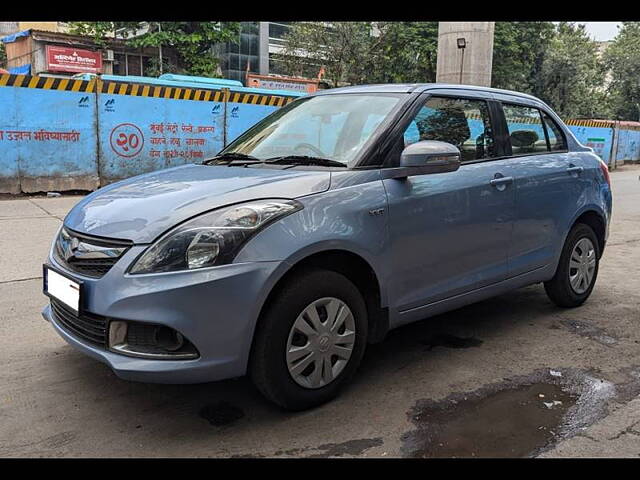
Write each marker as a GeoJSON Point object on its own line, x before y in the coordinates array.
{"type": "Point", "coordinates": [474, 60]}
{"type": "Point", "coordinates": [263, 48]}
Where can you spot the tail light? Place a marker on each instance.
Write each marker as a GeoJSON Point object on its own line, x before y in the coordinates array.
{"type": "Point", "coordinates": [605, 172]}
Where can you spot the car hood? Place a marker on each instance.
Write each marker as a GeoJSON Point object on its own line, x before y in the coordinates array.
{"type": "Point", "coordinates": [143, 207]}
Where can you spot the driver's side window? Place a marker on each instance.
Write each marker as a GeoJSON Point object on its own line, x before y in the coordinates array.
{"type": "Point", "coordinates": [461, 122]}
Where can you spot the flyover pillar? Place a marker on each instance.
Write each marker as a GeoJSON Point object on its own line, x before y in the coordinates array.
{"type": "Point", "coordinates": [465, 53]}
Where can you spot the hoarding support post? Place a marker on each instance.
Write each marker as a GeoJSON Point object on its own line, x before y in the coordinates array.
{"type": "Point", "coordinates": [614, 145]}
{"type": "Point", "coordinates": [226, 93]}
{"type": "Point", "coordinates": [97, 90]}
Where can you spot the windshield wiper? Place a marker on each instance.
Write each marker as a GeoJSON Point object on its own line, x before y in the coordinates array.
{"type": "Point", "coordinates": [229, 158]}
{"type": "Point", "coordinates": [304, 160]}
{"type": "Point", "coordinates": [236, 158]}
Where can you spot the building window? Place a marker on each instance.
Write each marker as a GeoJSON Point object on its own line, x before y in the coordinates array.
{"type": "Point", "coordinates": [234, 56]}
{"type": "Point", "coordinates": [277, 32]}
{"type": "Point", "coordinates": [134, 64]}
{"type": "Point", "coordinates": [119, 67]}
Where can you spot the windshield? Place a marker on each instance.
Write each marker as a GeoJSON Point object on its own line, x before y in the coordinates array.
{"type": "Point", "coordinates": [333, 127]}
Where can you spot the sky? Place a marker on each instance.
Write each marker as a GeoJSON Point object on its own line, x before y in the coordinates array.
{"type": "Point", "coordinates": [602, 31]}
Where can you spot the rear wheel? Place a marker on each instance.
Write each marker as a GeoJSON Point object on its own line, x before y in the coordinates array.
{"type": "Point", "coordinates": [310, 340]}
{"type": "Point", "coordinates": [577, 270]}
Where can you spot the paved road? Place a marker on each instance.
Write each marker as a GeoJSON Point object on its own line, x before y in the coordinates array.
{"type": "Point", "coordinates": [510, 376]}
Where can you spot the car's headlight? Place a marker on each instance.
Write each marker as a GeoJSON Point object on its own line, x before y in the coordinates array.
{"type": "Point", "coordinates": [211, 239]}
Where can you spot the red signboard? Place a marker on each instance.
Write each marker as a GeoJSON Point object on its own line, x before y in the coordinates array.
{"type": "Point", "coordinates": [64, 59]}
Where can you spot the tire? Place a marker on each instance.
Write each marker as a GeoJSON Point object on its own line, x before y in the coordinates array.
{"type": "Point", "coordinates": [269, 362]}
{"type": "Point", "coordinates": [559, 289]}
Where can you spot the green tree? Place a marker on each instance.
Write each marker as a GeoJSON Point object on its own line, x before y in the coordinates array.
{"type": "Point", "coordinates": [362, 52]}
{"type": "Point", "coordinates": [365, 52]}
{"type": "Point", "coordinates": [558, 63]}
{"type": "Point", "coordinates": [407, 52]}
{"type": "Point", "coordinates": [571, 75]}
{"type": "Point", "coordinates": [3, 56]}
{"type": "Point", "coordinates": [193, 41]}
{"type": "Point", "coordinates": [100, 32]}
{"type": "Point", "coordinates": [622, 59]}
{"type": "Point", "coordinates": [518, 52]}
{"type": "Point", "coordinates": [345, 49]}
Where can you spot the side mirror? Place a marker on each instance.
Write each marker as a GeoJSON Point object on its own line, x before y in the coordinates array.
{"type": "Point", "coordinates": [426, 157]}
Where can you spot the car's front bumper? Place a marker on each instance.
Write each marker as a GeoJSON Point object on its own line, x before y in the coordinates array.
{"type": "Point", "coordinates": [215, 308]}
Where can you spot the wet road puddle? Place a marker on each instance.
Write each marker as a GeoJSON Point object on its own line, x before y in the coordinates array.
{"type": "Point", "coordinates": [515, 422]}
{"type": "Point", "coordinates": [589, 331]}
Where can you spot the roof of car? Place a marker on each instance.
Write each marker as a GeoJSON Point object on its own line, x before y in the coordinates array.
{"type": "Point", "coordinates": [420, 87]}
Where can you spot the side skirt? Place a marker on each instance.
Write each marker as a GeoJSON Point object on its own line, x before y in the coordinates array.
{"type": "Point", "coordinates": [419, 313]}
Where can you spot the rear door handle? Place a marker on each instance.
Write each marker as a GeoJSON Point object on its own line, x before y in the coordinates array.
{"type": "Point", "coordinates": [575, 169]}
{"type": "Point", "coordinates": [501, 181]}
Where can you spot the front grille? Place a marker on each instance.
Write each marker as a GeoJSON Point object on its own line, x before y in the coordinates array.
{"type": "Point", "coordinates": [95, 268]}
{"type": "Point", "coordinates": [88, 256]}
{"type": "Point", "coordinates": [89, 327]}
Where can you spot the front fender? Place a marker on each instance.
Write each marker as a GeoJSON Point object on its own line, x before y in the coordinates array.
{"type": "Point", "coordinates": [352, 218]}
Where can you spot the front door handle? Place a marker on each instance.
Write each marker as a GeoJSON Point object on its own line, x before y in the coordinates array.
{"type": "Point", "coordinates": [573, 169]}
{"type": "Point", "coordinates": [501, 181]}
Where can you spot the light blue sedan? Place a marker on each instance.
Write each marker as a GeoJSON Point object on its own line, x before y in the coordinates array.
{"type": "Point", "coordinates": [337, 218]}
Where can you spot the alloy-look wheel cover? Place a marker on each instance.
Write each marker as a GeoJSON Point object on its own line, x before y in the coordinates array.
{"type": "Point", "coordinates": [320, 342]}
{"type": "Point", "coordinates": [582, 265]}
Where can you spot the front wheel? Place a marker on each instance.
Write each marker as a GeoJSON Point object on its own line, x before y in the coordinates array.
{"type": "Point", "coordinates": [310, 340]}
{"type": "Point", "coordinates": [577, 270]}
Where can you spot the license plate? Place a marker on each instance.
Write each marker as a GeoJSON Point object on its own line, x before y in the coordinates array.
{"type": "Point", "coordinates": [62, 288]}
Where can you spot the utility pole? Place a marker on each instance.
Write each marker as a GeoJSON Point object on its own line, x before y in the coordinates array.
{"type": "Point", "coordinates": [160, 48]}
{"type": "Point", "coordinates": [462, 44]}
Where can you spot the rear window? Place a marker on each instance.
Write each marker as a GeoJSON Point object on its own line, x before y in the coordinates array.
{"type": "Point", "coordinates": [532, 131]}
{"type": "Point", "coordinates": [526, 131]}
{"type": "Point", "coordinates": [556, 137]}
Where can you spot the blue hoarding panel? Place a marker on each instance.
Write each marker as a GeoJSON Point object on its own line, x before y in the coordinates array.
{"type": "Point", "coordinates": [623, 137]}
{"type": "Point", "coordinates": [9, 172]}
{"type": "Point", "coordinates": [634, 145]}
{"type": "Point", "coordinates": [598, 138]}
{"type": "Point", "coordinates": [628, 145]}
{"type": "Point", "coordinates": [48, 139]}
{"type": "Point", "coordinates": [142, 134]}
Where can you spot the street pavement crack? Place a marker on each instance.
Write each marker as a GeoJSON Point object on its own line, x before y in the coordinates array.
{"type": "Point", "coordinates": [45, 210]}
{"type": "Point", "coordinates": [584, 435]}
{"type": "Point", "coordinates": [629, 430]}
{"type": "Point", "coordinates": [633, 240]}
{"type": "Point", "coordinates": [40, 207]}
{"type": "Point", "coordinates": [20, 280]}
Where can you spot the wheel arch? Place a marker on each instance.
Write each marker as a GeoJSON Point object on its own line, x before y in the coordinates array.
{"type": "Point", "coordinates": [354, 267]}
{"type": "Point", "coordinates": [594, 219]}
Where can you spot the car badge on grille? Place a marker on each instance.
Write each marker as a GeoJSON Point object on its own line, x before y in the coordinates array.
{"type": "Point", "coordinates": [72, 248]}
